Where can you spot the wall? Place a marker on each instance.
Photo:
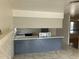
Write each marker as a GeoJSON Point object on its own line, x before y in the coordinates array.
{"type": "Point", "coordinates": [5, 15]}
{"type": "Point", "coordinates": [5, 26]}
{"type": "Point", "coordinates": [59, 32]}
{"type": "Point", "coordinates": [53, 31]}
{"type": "Point", "coordinates": [29, 22]}
{"type": "Point", "coordinates": [36, 30]}
{"type": "Point", "coordinates": [66, 25]}
{"type": "Point", "coordinates": [6, 46]}
{"type": "Point", "coordinates": [28, 30]}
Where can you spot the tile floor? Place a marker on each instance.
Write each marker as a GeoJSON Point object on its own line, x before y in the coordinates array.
{"type": "Point", "coordinates": [69, 53]}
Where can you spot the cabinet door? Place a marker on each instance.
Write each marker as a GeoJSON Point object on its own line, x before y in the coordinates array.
{"type": "Point", "coordinates": [37, 45]}
{"type": "Point", "coordinates": [22, 46]}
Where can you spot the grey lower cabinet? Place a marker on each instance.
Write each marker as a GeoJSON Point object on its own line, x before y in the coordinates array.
{"type": "Point", "coordinates": [37, 45]}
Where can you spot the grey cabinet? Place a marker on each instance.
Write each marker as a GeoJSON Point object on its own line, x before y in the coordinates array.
{"type": "Point", "coordinates": [37, 45]}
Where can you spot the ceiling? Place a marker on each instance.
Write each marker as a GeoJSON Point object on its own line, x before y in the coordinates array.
{"type": "Point", "coordinates": [40, 5]}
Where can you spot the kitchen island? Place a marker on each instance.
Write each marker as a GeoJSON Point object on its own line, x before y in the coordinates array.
{"type": "Point", "coordinates": [37, 44]}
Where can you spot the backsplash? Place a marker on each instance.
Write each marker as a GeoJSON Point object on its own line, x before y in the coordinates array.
{"type": "Point", "coordinates": [27, 30]}
{"type": "Point", "coordinates": [54, 31]}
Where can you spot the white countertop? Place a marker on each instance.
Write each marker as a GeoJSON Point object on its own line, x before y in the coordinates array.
{"type": "Point", "coordinates": [35, 37]}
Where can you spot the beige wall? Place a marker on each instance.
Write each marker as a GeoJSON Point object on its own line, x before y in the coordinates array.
{"type": "Point", "coordinates": [6, 46]}
{"type": "Point", "coordinates": [5, 15]}
{"type": "Point", "coordinates": [28, 22]}
{"type": "Point", "coordinates": [6, 43]}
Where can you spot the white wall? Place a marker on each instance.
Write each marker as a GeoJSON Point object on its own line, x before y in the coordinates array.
{"type": "Point", "coordinates": [29, 22]}
{"type": "Point", "coordinates": [6, 47]}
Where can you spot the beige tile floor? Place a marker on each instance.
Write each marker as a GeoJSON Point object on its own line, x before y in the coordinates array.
{"type": "Point", "coordinates": [68, 53]}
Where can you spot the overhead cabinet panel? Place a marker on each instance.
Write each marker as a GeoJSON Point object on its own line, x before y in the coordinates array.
{"type": "Point", "coordinates": [37, 23]}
